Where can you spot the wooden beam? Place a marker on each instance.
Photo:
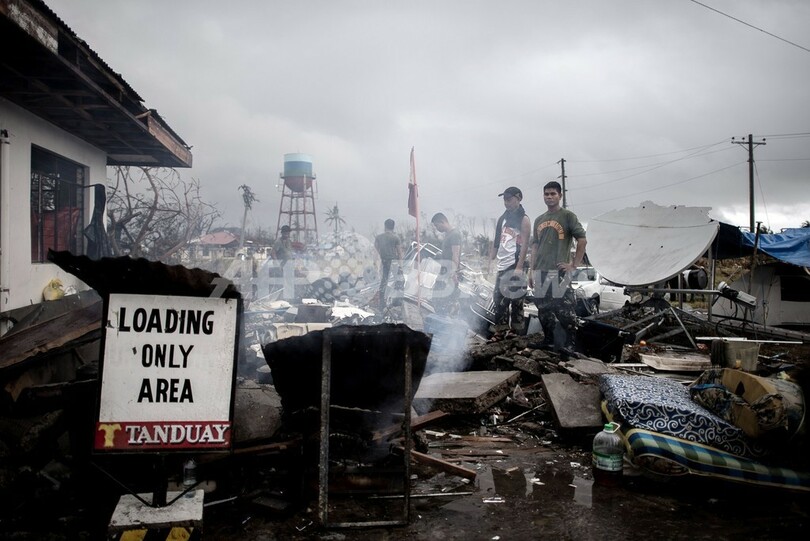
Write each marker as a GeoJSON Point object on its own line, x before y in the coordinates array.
{"type": "Point", "coordinates": [417, 423]}
{"type": "Point", "coordinates": [443, 465]}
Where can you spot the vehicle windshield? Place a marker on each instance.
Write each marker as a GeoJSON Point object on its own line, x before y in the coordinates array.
{"type": "Point", "coordinates": [584, 274]}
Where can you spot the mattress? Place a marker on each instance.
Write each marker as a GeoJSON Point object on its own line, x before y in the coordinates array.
{"type": "Point", "coordinates": [664, 406]}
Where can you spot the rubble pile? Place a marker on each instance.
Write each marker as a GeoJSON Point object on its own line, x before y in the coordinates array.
{"type": "Point", "coordinates": [495, 422]}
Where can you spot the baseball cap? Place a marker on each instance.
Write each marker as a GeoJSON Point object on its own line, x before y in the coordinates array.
{"type": "Point", "coordinates": [512, 191]}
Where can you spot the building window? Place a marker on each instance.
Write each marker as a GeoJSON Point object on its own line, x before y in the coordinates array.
{"type": "Point", "coordinates": [57, 204]}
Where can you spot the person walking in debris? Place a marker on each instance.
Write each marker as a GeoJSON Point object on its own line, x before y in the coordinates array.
{"type": "Point", "coordinates": [389, 247]}
{"type": "Point", "coordinates": [552, 268]}
{"type": "Point", "coordinates": [283, 253]}
{"type": "Point", "coordinates": [509, 248]}
{"type": "Point", "coordinates": [450, 260]}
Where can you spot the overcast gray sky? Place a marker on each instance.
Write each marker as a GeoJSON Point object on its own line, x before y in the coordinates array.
{"type": "Point", "coordinates": [640, 98]}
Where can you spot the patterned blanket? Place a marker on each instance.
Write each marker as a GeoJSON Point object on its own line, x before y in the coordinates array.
{"type": "Point", "coordinates": [664, 406]}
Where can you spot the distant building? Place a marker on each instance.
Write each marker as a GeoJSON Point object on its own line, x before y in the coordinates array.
{"type": "Point", "coordinates": [213, 246]}
{"type": "Point", "coordinates": [65, 116]}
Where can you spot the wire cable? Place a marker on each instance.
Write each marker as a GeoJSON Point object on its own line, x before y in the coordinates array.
{"type": "Point", "coordinates": [751, 25]}
{"type": "Point", "coordinates": [662, 187]}
{"type": "Point", "coordinates": [650, 169]}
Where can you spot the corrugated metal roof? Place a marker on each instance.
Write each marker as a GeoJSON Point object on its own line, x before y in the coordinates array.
{"type": "Point", "coordinates": [142, 277]}
{"type": "Point", "coordinates": [49, 71]}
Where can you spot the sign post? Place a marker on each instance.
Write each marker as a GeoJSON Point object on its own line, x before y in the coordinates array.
{"type": "Point", "coordinates": [167, 374]}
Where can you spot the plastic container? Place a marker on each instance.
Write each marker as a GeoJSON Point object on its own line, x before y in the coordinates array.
{"type": "Point", "coordinates": [189, 477]}
{"type": "Point", "coordinates": [608, 456]}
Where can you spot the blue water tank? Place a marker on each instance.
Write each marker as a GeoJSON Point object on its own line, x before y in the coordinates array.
{"type": "Point", "coordinates": [297, 165]}
{"type": "Point", "coordinates": [298, 172]}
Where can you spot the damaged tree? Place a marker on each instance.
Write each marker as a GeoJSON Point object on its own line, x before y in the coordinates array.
{"type": "Point", "coordinates": [154, 213]}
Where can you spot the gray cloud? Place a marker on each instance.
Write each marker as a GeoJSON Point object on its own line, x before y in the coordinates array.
{"type": "Point", "coordinates": [489, 93]}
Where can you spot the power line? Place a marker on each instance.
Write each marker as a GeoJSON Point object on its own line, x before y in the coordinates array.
{"type": "Point", "coordinates": [787, 135]}
{"type": "Point", "coordinates": [651, 155]}
{"type": "Point", "coordinates": [647, 165]}
{"type": "Point", "coordinates": [652, 168]}
{"type": "Point", "coordinates": [751, 26]}
{"type": "Point", "coordinates": [662, 187]}
{"type": "Point", "coordinates": [762, 196]}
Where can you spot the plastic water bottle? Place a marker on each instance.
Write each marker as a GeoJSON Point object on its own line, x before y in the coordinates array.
{"type": "Point", "coordinates": [608, 456]}
{"type": "Point", "coordinates": [189, 477]}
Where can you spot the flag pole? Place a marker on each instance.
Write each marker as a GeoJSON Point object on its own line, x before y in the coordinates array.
{"type": "Point", "coordinates": [413, 210]}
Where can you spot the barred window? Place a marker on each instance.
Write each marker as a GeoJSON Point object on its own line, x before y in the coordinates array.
{"type": "Point", "coordinates": [57, 204]}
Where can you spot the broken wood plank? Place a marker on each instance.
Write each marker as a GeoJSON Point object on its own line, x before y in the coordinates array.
{"type": "Point", "coordinates": [677, 362]}
{"type": "Point", "coordinates": [576, 405]}
{"type": "Point", "coordinates": [49, 335]}
{"type": "Point", "coordinates": [417, 423]}
{"type": "Point", "coordinates": [473, 452]}
{"type": "Point", "coordinates": [483, 443]}
{"type": "Point", "coordinates": [463, 392]}
{"type": "Point", "coordinates": [485, 439]}
{"type": "Point", "coordinates": [269, 447]}
{"type": "Point", "coordinates": [443, 465]}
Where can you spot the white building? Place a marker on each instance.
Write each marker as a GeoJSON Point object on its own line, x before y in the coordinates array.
{"type": "Point", "coordinates": [65, 116]}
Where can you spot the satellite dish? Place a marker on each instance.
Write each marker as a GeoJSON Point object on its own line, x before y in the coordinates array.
{"type": "Point", "coordinates": [649, 244]}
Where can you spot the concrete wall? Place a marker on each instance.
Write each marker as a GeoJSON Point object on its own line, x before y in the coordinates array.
{"type": "Point", "coordinates": [21, 282]}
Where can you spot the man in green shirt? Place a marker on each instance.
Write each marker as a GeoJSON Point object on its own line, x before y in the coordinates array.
{"type": "Point", "coordinates": [389, 247]}
{"type": "Point", "coordinates": [551, 267]}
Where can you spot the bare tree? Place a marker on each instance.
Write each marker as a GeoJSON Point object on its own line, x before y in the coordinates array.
{"type": "Point", "coordinates": [154, 213]}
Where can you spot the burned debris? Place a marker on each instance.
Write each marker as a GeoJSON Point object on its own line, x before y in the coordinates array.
{"type": "Point", "coordinates": [347, 417]}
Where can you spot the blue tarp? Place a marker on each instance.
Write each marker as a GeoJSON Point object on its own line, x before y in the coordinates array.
{"type": "Point", "coordinates": [791, 245]}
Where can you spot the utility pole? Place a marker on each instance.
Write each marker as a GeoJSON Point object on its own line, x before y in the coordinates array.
{"type": "Point", "coordinates": [750, 142]}
{"type": "Point", "coordinates": [562, 178]}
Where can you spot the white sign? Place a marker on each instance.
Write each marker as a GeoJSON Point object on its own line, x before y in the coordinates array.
{"type": "Point", "coordinates": [167, 373]}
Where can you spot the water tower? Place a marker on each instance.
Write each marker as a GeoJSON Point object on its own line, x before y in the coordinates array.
{"type": "Point", "coordinates": [297, 207]}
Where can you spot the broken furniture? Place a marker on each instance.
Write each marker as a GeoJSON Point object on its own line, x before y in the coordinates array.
{"type": "Point", "coordinates": [769, 408]}
{"type": "Point", "coordinates": [670, 434]}
{"type": "Point", "coordinates": [341, 386]}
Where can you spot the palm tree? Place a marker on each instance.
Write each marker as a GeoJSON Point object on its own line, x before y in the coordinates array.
{"type": "Point", "coordinates": [249, 198]}
{"type": "Point", "coordinates": [333, 216]}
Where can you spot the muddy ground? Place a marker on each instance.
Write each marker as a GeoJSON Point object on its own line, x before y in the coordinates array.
{"type": "Point", "coordinates": [532, 482]}
{"type": "Point", "coordinates": [542, 487]}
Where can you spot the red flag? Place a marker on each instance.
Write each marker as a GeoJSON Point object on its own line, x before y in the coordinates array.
{"type": "Point", "coordinates": [413, 194]}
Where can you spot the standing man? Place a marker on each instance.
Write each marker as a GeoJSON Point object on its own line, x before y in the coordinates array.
{"type": "Point", "coordinates": [282, 252]}
{"type": "Point", "coordinates": [449, 259]}
{"type": "Point", "coordinates": [552, 268]}
{"type": "Point", "coordinates": [509, 248]}
{"type": "Point", "coordinates": [389, 247]}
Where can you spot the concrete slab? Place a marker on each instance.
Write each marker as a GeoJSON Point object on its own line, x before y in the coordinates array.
{"type": "Point", "coordinates": [576, 405]}
{"type": "Point", "coordinates": [463, 392]}
{"type": "Point", "coordinates": [133, 514]}
{"type": "Point", "coordinates": [257, 412]}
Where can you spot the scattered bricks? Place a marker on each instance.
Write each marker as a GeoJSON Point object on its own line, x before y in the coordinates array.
{"type": "Point", "coordinates": [530, 366]}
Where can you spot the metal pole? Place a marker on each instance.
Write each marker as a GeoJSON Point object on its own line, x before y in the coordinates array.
{"type": "Point", "coordinates": [751, 181]}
